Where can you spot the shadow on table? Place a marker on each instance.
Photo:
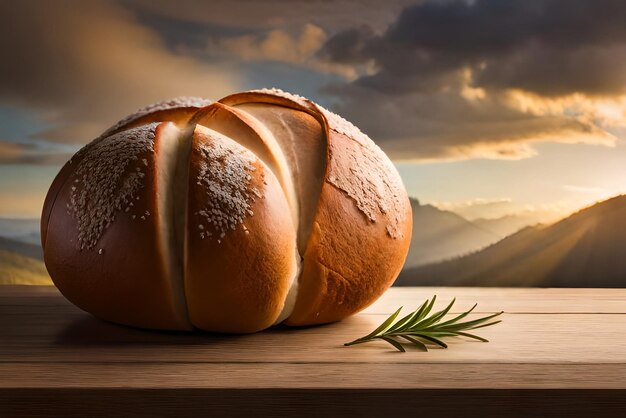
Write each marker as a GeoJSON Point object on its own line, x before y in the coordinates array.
{"type": "Point", "coordinates": [87, 330]}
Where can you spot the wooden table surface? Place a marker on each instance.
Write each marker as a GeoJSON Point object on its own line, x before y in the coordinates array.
{"type": "Point", "coordinates": [559, 351]}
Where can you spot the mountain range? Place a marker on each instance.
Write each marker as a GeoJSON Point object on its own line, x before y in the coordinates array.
{"type": "Point", "coordinates": [22, 263]}
{"type": "Point", "coordinates": [440, 234]}
{"type": "Point", "coordinates": [505, 225]}
{"type": "Point", "coordinates": [24, 230]}
{"type": "Point", "coordinates": [586, 249]}
{"type": "Point", "coordinates": [21, 256]}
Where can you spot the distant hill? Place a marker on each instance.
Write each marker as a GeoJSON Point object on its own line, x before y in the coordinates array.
{"type": "Point", "coordinates": [25, 230]}
{"type": "Point", "coordinates": [440, 234]}
{"type": "Point", "coordinates": [505, 225]}
{"type": "Point", "coordinates": [21, 248]}
{"type": "Point", "coordinates": [22, 263]}
{"type": "Point", "coordinates": [586, 249]}
{"type": "Point", "coordinates": [21, 256]}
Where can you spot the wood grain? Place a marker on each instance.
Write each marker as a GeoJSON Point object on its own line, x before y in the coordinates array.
{"type": "Point", "coordinates": [553, 345]}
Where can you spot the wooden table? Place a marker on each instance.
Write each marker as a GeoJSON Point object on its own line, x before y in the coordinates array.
{"type": "Point", "coordinates": [557, 351]}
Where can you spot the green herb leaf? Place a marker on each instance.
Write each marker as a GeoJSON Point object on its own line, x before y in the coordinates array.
{"type": "Point", "coordinates": [420, 330]}
{"type": "Point", "coordinates": [381, 328]}
{"type": "Point", "coordinates": [394, 343]}
{"type": "Point", "coordinates": [417, 343]}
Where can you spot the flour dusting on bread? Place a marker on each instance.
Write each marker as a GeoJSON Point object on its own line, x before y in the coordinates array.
{"type": "Point", "coordinates": [370, 179]}
{"type": "Point", "coordinates": [225, 173]}
{"type": "Point", "coordinates": [107, 180]}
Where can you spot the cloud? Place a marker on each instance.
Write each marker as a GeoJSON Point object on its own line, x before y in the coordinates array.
{"type": "Point", "coordinates": [14, 153]}
{"type": "Point", "coordinates": [587, 190]}
{"type": "Point", "coordinates": [348, 46]}
{"type": "Point", "coordinates": [480, 207]}
{"type": "Point", "coordinates": [444, 125]}
{"type": "Point", "coordinates": [331, 15]}
{"type": "Point", "coordinates": [280, 45]}
{"type": "Point", "coordinates": [498, 207]}
{"type": "Point", "coordinates": [486, 78]}
{"type": "Point", "coordinates": [543, 46]}
{"type": "Point", "coordinates": [478, 201]}
{"type": "Point", "coordinates": [83, 65]}
{"type": "Point", "coordinates": [9, 150]}
{"type": "Point", "coordinates": [437, 80]}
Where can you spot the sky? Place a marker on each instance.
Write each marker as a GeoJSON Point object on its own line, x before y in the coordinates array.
{"type": "Point", "coordinates": [487, 107]}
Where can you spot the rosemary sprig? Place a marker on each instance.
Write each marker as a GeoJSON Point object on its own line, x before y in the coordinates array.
{"type": "Point", "coordinates": [420, 330]}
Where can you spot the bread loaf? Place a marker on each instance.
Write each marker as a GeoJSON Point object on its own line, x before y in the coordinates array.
{"type": "Point", "coordinates": [232, 216]}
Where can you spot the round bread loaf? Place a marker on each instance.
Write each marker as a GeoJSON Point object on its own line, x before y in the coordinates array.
{"type": "Point", "coordinates": [227, 216]}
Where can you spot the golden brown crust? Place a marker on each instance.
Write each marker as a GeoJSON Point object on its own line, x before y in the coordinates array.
{"type": "Point", "coordinates": [123, 277]}
{"type": "Point", "coordinates": [350, 261]}
{"type": "Point", "coordinates": [269, 96]}
{"type": "Point", "coordinates": [362, 228]}
{"type": "Point", "coordinates": [237, 277]}
{"type": "Point", "coordinates": [51, 197]}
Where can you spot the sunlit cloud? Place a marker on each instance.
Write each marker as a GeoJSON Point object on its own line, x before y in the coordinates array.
{"type": "Point", "coordinates": [22, 204]}
{"type": "Point", "coordinates": [597, 112]}
{"type": "Point", "coordinates": [498, 207]}
{"type": "Point", "coordinates": [478, 201]}
{"type": "Point", "coordinates": [283, 46]}
{"type": "Point", "coordinates": [10, 150]}
{"type": "Point", "coordinates": [587, 190]}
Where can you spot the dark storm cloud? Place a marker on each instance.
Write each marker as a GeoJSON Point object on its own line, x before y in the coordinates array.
{"type": "Point", "coordinates": [249, 15]}
{"type": "Point", "coordinates": [446, 73]}
{"type": "Point", "coordinates": [179, 33]}
{"type": "Point", "coordinates": [551, 47]}
{"type": "Point", "coordinates": [347, 47]}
